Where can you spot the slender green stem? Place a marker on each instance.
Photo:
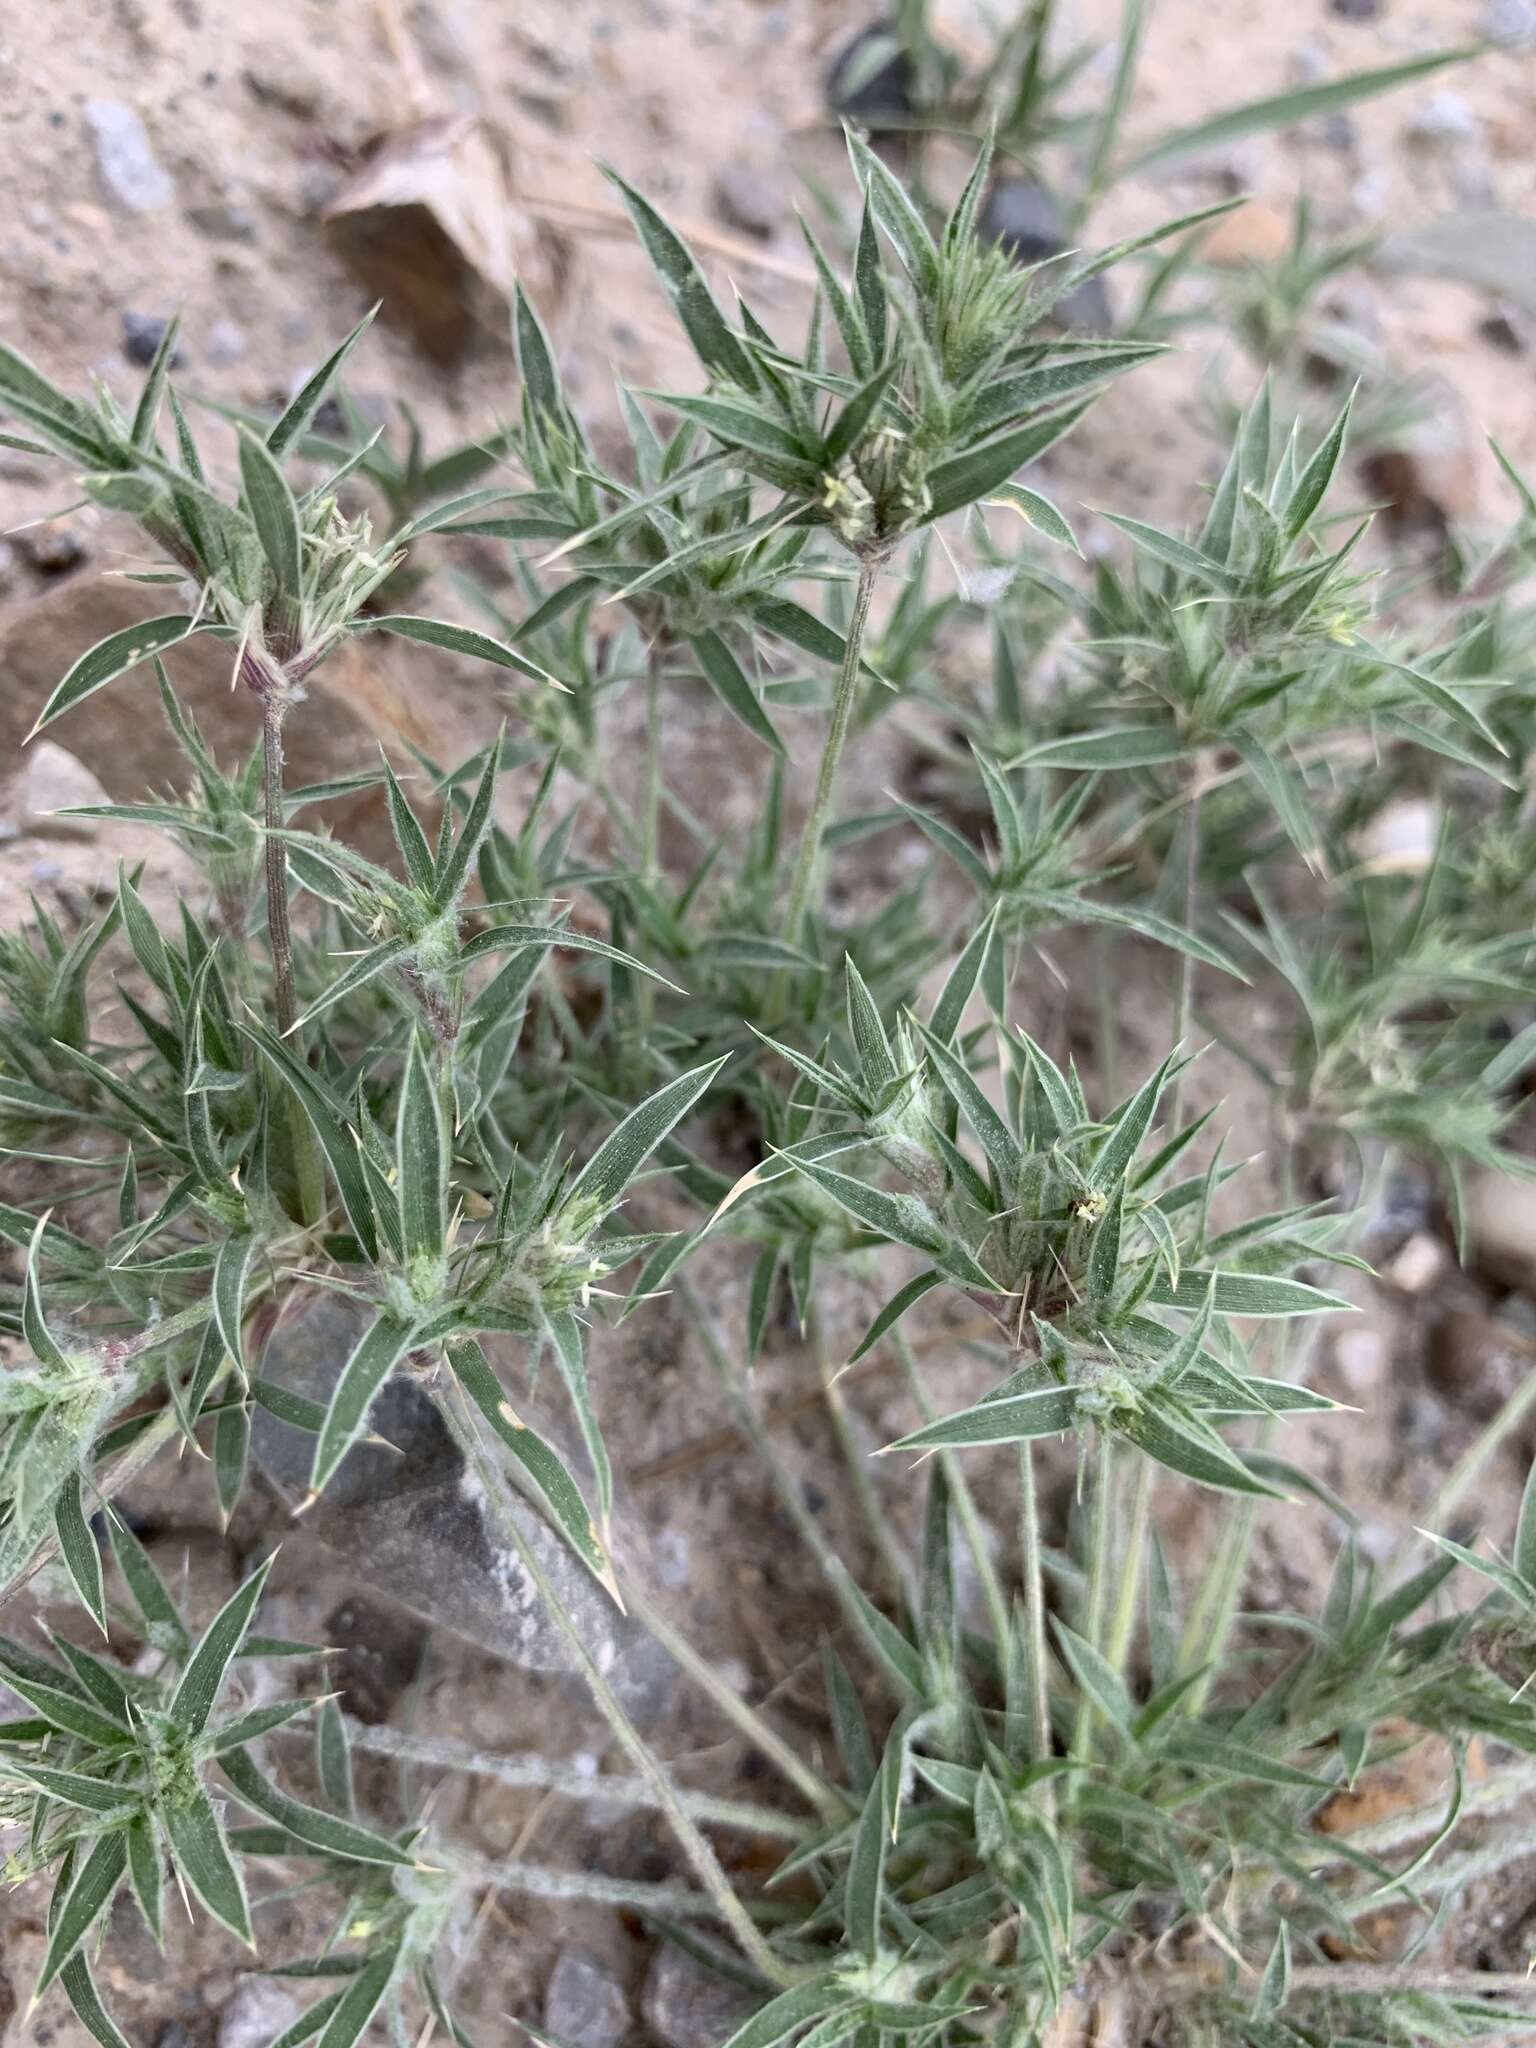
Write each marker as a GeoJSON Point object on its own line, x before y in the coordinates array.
{"type": "Point", "coordinates": [827, 1801]}
{"type": "Point", "coordinates": [1122, 1623]}
{"type": "Point", "coordinates": [856, 1459]}
{"type": "Point", "coordinates": [540, 1774]}
{"type": "Point", "coordinates": [1471, 1463]}
{"type": "Point", "coordinates": [965, 1506]}
{"type": "Point", "coordinates": [1184, 1001]}
{"type": "Point", "coordinates": [278, 928]}
{"type": "Point", "coordinates": [650, 817]}
{"type": "Point", "coordinates": [1215, 1610]}
{"type": "Point", "coordinates": [1034, 1606]}
{"type": "Point", "coordinates": [706, 1865]}
{"type": "Point", "coordinates": [832, 753]}
{"type": "Point", "coordinates": [1101, 1544]}
{"type": "Point", "coordinates": [791, 1498]}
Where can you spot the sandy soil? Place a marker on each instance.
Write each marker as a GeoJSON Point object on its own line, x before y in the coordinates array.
{"type": "Point", "coordinates": [257, 117]}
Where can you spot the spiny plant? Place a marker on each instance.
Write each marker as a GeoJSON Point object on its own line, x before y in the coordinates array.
{"type": "Point", "coordinates": [438, 1085]}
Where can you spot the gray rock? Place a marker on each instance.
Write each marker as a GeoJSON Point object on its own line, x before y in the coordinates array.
{"type": "Point", "coordinates": [411, 1519]}
{"type": "Point", "coordinates": [142, 335]}
{"type": "Point", "coordinates": [257, 2013]}
{"type": "Point", "coordinates": [1510, 23]}
{"type": "Point", "coordinates": [1445, 117]}
{"type": "Point", "coordinates": [871, 80]}
{"type": "Point", "coordinates": [223, 223]}
{"type": "Point", "coordinates": [1023, 218]}
{"type": "Point", "coordinates": [687, 2006]}
{"type": "Point", "coordinates": [226, 343]}
{"type": "Point", "coordinates": [584, 2004]}
{"type": "Point", "coordinates": [53, 545]}
{"type": "Point", "coordinates": [749, 198]}
{"type": "Point", "coordinates": [134, 177]}
{"type": "Point", "coordinates": [52, 781]}
{"type": "Point", "coordinates": [1356, 10]}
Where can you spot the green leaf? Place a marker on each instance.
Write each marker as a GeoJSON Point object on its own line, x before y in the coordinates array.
{"type": "Point", "coordinates": [547, 1471]}
{"type": "Point", "coordinates": [274, 513]}
{"type": "Point", "coordinates": [1285, 109]}
{"type": "Point", "coordinates": [362, 1997]}
{"type": "Point", "coordinates": [87, 1898]}
{"type": "Point", "coordinates": [146, 1587]}
{"type": "Point", "coordinates": [77, 1547]}
{"type": "Point", "coordinates": [625, 1150]}
{"type": "Point", "coordinates": [1318, 474]}
{"type": "Point", "coordinates": [229, 1280]}
{"type": "Point", "coordinates": [80, 1989]}
{"type": "Point", "coordinates": [785, 2018]}
{"type": "Point", "coordinates": [457, 640]}
{"type": "Point", "coordinates": [202, 1680]}
{"type": "Point", "coordinates": [1175, 554]}
{"type": "Point", "coordinates": [300, 414]}
{"type": "Point", "coordinates": [727, 679]}
{"type": "Point", "coordinates": [113, 657]}
{"type": "Point", "coordinates": [202, 1856]}
{"type": "Point", "coordinates": [905, 1298]}
{"type": "Point", "coordinates": [1046, 1411]}
{"type": "Point", "coordinates": [904, 1219]}
{"type": "Point", "coordinates": [501, 938]}
{"type": "Point", "coordinates": [333, 1763]}
{"type": "Point", "coordinates": [307, 1824]}
{"type": "Point", "coordinates": [1098, 1679]}
{"type": "Point", "coordinates": [375, 1357]}
{"type": "Point", "coordinates": [1247, 1294]}
{"type": "Point", "coordinates": [1037, 512]}
{"type": "Point", "coordinates": [422, 1160]}
{"type": "Point", "coordinates": [73, 1788]}
{"type": "Point", "coordinates": [863, 1906]}
{"type": "Point", "coordinates": [1177, 1439]}
{"type": "Point", "coordinates": [453, 872]}
{"type": "Point", "coordinates": [716, 347]}
{"type": "Point", "coordinates": [1524, 1559]}
{"type": "Point", "coordinates": [964, 478]}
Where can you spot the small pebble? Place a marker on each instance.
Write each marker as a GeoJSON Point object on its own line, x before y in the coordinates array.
{"type": "Point", "coordinates": [132, 174]}
{"type": "Point", "coordinates": [142, 335]}
{"type": "Point", "coordinates": [226, 343]}
{"type": "Point", "coordinates": [1444, 117]}
{"type": "Point", "coordinates": [585, 2005]}
{"type": "Point", "coordinates": [1355, 10]}
{"type": "Point", "coordinates": [748, 198]}
{"type": "Point", "coordinates": [52, 546]}
{"type": "Point", "coordinates": [221, 223]}
{"type": "Point", "coordinates": [1418, 1265]}
{"type": "Point", "coordinates": [258, 2012]}
{"type": "Point", "coordinates": [1509, 23]}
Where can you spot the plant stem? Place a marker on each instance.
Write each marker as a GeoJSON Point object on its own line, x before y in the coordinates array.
{"type": "Point", "coordinates": [1122, 1625]}
{"type": "Point", "coordinates": [965, 1506]}
{"type": "Point", "coordinates": [1034, 1606]}
{"type": "Point", "coordinates": [832, 752]}
{"type": "Point", "coordinates": [1100, 1548]}
{"type": "Point", "coordinates": [791, 1498]}
{"type": "Point", "coordinates": [855, 1457]}
{"type": "Point", "coordinates": [706, 1864]}
{"type": "Point", "coordinates": [539, 1773]}
{"type": "Point", "coordinates": [278, 928]}
{"type": "Point", "coordinates": [829, 1803]}
{"type": "Point", "coordinates": [1210, 1622]}
{"type": "Point", "coordinates": [1184, 1003]}
{"type": "Point", "coordinates": [1470, 1464]}
{"type": "Point", "coordinates": [650, 816]}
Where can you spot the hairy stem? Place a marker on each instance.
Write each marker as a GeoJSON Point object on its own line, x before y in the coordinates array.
{"type": "Point", "coordinates": [898, 1570]}
{"type": "Point", "coordinates": [1034, 1606]}
{"type": "Point", "coordinates": [1101, 1542]}
{"type": "Point", "coordinates": [706, 1865]}
{"type": "Point", "coordinates": [278, 928]}
{"type": "Point", "coordinates": [1122, 1623]}
{"type": "Point", "coordinates": [832, 753]}
{"type": "Point", "coordinates": [965, 1506]}
{"type": "Point", "coordinates": [1184, 1001]}
{"type": "Point", "coordinates": [539, 1773]}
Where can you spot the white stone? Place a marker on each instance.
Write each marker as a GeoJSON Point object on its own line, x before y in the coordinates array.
{"type": "Point", "coordinates": [53, 781]}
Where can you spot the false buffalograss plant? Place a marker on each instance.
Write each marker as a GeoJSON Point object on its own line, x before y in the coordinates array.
{"type": "Point", "coordinates": [1104, 1805]}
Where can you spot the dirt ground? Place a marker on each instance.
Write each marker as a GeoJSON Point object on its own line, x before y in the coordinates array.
{"type": "Point", "coordinates": [230, 206]}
